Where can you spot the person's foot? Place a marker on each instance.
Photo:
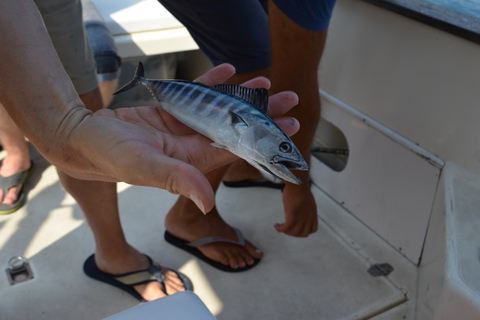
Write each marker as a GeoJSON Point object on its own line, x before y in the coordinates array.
{"type": "Point", "coordinates": [300, 207]}
{"type": "Point", "coordinates": [298, 202]}
{"type": "Point", "coordinates": [185, 221]}
{"type": "Point", "coordinates": [12, 164]}
{"type": "Point", "coordinates": [135, 261]}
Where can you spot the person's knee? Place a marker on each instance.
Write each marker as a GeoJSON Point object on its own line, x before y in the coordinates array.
{"type": "Point", "coordinates": [107, 61]}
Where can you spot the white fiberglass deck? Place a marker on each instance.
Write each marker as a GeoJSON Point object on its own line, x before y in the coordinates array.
{"type": "Point", "coordinates": [321, 277]}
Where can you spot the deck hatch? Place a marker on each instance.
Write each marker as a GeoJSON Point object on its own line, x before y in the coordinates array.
{"type": "Point", "coordinates": [18, 270]}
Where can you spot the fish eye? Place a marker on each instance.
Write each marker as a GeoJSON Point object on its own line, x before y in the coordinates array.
{"type": "Point", "coordinates": [285, 147]}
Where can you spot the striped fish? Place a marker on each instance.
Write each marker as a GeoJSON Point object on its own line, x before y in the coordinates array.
{"type": "Point", "coordinates": [234, 117]}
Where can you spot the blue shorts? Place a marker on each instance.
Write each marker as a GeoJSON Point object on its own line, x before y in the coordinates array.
{"type": "Point", "coordinates": [230, 31]}
{"type": "Point", "coordinates": [237, 31]}
{"type": "Point", "coordinates": [311, 14]}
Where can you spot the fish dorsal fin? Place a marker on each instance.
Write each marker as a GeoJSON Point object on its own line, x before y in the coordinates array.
{"type": "Point", "coordinates": [258, 97]}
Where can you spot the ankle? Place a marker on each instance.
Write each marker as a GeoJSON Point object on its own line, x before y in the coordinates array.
{"type": "Point", "coordinates": [184, 209]}
{"type": "Point", "coordinates": [120, 261]}
{"type": "Point", "coordinates": [183, 217]}
{"type": "Point", "coordinates": [14, 163]}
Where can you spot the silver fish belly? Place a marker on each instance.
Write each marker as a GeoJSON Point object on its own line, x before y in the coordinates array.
{"type": "Point", "coordinates": [233, 117]}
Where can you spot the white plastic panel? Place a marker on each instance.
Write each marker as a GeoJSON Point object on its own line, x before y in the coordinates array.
{"type": "Point", "coordinates": [449, 282]}
{"type": "Point", "coordinates": [143, 27]}
{"type": "Point", "coordinates": [184, 305]}
{"type": "Point", "coordinates": [388, 183]}
{"type": "Point", "coordinates": [131, 16]}
{"type": "Point", "coordinates": [415, 79]}
{"type": "Point", "coordinates": [154, 42]}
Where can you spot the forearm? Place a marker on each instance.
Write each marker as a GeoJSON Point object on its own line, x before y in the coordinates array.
{"type": "Point", "coordinates": [34, 87]}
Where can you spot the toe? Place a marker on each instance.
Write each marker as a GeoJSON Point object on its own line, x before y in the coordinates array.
{"type": "Point", "coordinates": [246, 258]}
{"type": "Point", "coordinates": [12, 195]}
{"type": "Point", "coordinates": [253, 251]}
{"type": "Point", "coordinates": [174, 287]}
{"type": "Point", "coordinates": [224, 258]}
{"type": "Point", "coordinates": [232, 255]}
{"type": "Point", "coordinates": [233, 259]}
{"type": "Point", "coordinates": [150, 291]}
{"type": "Point", "coordinates": [172, 282]}
{"type": "Point", "coordinates": [242, 263]}
{"type": "Point", "coordinates": [240, 258]}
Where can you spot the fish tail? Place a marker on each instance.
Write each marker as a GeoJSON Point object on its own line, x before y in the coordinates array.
{"type": "Point", "coordinates": [137, 79]}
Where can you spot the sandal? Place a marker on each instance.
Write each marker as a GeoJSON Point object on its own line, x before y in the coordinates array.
{"type": "Point", "coordinates": [190, 247]}
{"type": "Point", "coordinates": [21, 177]}
{"type": "Point", "coordinates": [126, 281]}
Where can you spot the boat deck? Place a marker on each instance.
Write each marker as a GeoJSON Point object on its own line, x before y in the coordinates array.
{"type": "Point", "coordinates": [321, 277]}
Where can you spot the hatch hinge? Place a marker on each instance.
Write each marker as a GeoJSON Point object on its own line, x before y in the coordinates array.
{"type": "Point", "coordinates": [378, 270]}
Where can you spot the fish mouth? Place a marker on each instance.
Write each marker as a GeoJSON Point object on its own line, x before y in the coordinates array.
{"type": "Point", "coordinates": [291, 164]}
{"type": "Point", "coordinates": [280, 171]}
{"type": "Point", "coordinates": [280, 167]}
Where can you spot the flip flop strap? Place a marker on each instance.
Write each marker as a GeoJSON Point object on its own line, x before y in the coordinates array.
{"type": "Point", "coordinates": [240, 242]}
{"type": "Point", "coordinates": [8, 182]}
{"type": "Point", "coordinates": [153, 273]}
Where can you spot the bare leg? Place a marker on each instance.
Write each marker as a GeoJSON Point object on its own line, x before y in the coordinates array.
{"type": "Point", "coordinates": [98, 201]}
{"type": "Point", "coordinates": [187, 222]}
{"type": "Point", "coordinates": [296, 54]}
{"type": "Point", "coordinates": [106, 90]}
{"type": "Point", "coordinates": [18, 156]}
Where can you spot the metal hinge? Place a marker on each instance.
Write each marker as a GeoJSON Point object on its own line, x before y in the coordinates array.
{"type": "Point", "coordinates": [378, 270]}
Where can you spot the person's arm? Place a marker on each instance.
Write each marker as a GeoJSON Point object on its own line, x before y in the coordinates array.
{"type": "Point", "coordinates": [141, 146]}
{"type": "Point", "coordinates": [34, 87]}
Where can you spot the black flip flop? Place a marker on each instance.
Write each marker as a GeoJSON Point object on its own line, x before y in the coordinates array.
{"type": "Point", "coordinates": [265, 183]}
{"type": "Point", "coordinates": [190, 247]}
{"type": "Point", "coordinates": [126, 281]}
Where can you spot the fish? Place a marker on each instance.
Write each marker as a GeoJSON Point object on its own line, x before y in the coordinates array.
{"type": "Point", "coordinates": [233, 117]}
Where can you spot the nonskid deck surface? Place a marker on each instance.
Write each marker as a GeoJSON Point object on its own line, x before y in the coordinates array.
{"type": "Point", "coordinates": [320, 277]}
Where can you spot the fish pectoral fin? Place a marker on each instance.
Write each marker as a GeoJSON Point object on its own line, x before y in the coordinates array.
{"type": "Point", "coordinates": [258, 97]}
{"type": "Point", "coordinates": [216, 145]}
{"type": "Point", "coordinates": [237, 120]}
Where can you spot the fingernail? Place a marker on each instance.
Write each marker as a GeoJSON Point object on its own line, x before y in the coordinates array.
{"type": "Point", "coordinates": [198, 202]}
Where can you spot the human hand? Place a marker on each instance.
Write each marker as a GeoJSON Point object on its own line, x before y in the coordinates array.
{"type": "Point", "coordinates": [147, 146]}
{"type": "Point", "coordinates": [300, 210]}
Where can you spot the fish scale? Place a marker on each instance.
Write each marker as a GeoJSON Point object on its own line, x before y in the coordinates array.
{"type": "Point", "coordinates": [233, 117]}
